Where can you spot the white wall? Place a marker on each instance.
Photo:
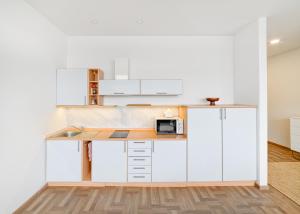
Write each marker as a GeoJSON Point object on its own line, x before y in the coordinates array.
{"type": "Point", "coordinates": [250, 83]}
{"type": "Point", "coordinates": [205, 63]}
{"type": "Point", "coordinates": [30, 51]}
{"type": "Point", "coordinates": [283, 94]}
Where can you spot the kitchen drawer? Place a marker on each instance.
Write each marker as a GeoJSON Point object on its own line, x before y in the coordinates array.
{"type": "Point", "coordinates": [139, 161]}
{"type": "Point", "coordinates": [139, 169]}
{"type": "Point", "coordinates": [139, 177]}
{"type": "Point", "coordinates": [139, 152]}
{"type": "Point", "coordinates": [139, 144]}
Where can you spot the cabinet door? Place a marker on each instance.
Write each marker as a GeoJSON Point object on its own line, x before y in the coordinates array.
{"type": "Point", "coordinates": [169, 161]}
{"type": "Point", "coordinates": [119, 87]}
{"type": "Point", "coordinates": [109, 161]}
{"type": "Point", "coordinates": [161, 87]}
{"type": "Point", "coordinates": [239, 144]}
{"type": "Point", "coordinates": [71, 87]}
{"type": "Point", "coordinates": [204, 144]}
{"type": "Point", "coordinates": [63, 160]}
{"type": "Point", "coordinates": [295, 134]}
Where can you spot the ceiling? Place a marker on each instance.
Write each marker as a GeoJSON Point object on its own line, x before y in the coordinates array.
{"type": "Point", "coordinates": [174, 17]}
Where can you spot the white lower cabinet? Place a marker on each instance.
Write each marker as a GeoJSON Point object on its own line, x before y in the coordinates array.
{"type": "Point", "coordinates": [204, 145]}
{"type": "Point", "coordinates": [221, 144]}
{"type": "Point", "coordinates": [109, 161]}
{"type": "Point", "coordinates": [239, 144]}
{"type": "Point", "coordinates": [63, 161]}
{"type": "Point", "coordinates": [169, 161]}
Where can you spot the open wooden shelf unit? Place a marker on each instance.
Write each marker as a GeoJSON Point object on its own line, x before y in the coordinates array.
{"type": "Point", "coordinates": [94, 75]}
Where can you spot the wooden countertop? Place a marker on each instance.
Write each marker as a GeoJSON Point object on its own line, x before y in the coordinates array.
{"type": "Point", "coordinates": [104, 134]}
{"type": "Point", "coordinates": [167, 106]}
{"type": "Point", "coordinates": [223, 106]}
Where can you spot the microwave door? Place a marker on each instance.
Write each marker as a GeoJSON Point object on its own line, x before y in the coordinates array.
{"type": "Point", "coordinates": [166, 127]}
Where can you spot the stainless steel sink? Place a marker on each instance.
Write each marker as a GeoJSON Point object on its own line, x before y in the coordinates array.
{"type": "Point", "coordinates": [120, 134]}
{"type": "Point", "coordinates": [69, 134]}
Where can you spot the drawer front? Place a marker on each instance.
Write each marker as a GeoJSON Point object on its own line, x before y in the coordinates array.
{"type": "Point", "coordinates": [139, 169]}
{"type": "Point", "coordinates": [139, 177]}
{"type": "Point", "coordinates": [139, 161]}
{"type": "Point", "coordinates": [139, 152]}
{"type": "Point", "coordinates": [132, 144]}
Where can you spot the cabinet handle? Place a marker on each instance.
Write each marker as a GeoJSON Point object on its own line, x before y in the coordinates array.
{"type": "Point", "coordinates": [221, 114]}
{"type": "Point", "coordinates": [124, 146]}
{"type": "Point", "coordinates": [139, 142]}
{"type": "Point", "coordinates": [78, 146]}
{"type": "Point", "coordinates": [84, 100]}
{"type": "Point", "coordinates": [138, 167]}
{"type": "Point", "coordinates": [118, 92]}
{"type": "Point", "coordinates": [136, 159]}
{"type": "Point", "coordinates": [225, 113]}
{"type": "Point", "coordinates": [162, 93]}
{"type": "Point", "coordinates": [152, 146]}
{"type": "Point", "coordinates": [136, 176]}
{"type": "Point", "coordinates": [139, 150]}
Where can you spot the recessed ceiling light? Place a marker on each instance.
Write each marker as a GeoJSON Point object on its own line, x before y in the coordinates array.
{"type": "Point", "coordinates": [274, 41]}
{"type": "Point", "coordinates": [94, 21]}
{"type": "Point", "coordinates": [140, 21]}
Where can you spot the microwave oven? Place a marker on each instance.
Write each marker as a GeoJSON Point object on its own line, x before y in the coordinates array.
{"type": "Point", "coordinates": [169, 125]}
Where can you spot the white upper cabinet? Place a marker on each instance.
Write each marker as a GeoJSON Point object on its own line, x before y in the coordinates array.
{"type": "Point", "coordinates": [119, 87]}
{"type": "Point", "coordinates": [71, 87]}
{"type": "Point", "coordinates": [205, 144]}
{"type": "Point", "coordinates": [239, 144]}
{"type": "Point", "coordinates": [169, 161]}
{"type": "Point", "coordinates": [64, 160]}
{"type": "Point", "coordinates": [109, 161]}
{"type": "Point", "coordinates": [161, 87]}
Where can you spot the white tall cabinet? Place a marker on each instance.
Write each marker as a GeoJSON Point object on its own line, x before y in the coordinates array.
{"type": "Point", "coordinates": [169, 161]}
{"type": "Point", "coordinates": [109, 161]}
{"type": "Point", "coordinates": [221, 144]}
{"type": "Point", "coordinates": [205, 144]}
{"type": "Point", "coordinates": [239, 144]}
{"type": "Point", "coordinates": [71, 88]}
{"type": "Point", "coordinates": [63, 160]}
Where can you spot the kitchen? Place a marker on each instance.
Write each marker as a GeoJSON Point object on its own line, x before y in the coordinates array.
{"type": "Point", "coordinates": [96, 121]}
{"type": "Point", "coordinates": [185, 145]}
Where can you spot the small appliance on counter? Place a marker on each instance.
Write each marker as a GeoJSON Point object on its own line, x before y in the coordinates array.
{"type": "Point", "coordinates": [169, 125]}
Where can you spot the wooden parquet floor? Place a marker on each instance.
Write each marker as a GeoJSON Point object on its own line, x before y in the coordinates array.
{"type": "Point", "coordinates": [162, 200]}
{"type": "Point", "coordinates": [284, 174]}
{"type": "Point", "coordinates": [281, 154]}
